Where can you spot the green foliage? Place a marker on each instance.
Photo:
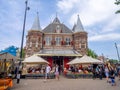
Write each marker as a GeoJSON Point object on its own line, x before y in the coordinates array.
{"type": "Point", "coordinates": [117, 2]}
{"type": "Point", "coordinates": [113, 61]}
{"type": "Point", "coordinates": [23, 53]}
{"type": "Point", "coordinates": [118, 11]}
{"type": "Point", "coordinates": [91, 53]}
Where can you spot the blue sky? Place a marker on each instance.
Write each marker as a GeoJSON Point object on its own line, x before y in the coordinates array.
{"type": "Point", "coordinates": [98, 18]}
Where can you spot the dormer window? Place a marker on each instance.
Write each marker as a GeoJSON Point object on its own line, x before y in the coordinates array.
{"type": "Point", "coordinates": [58, 30]}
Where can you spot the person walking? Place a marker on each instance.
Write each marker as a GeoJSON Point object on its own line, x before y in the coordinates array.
{"type": "Point", "coordinates": [112, 76]}
{"type": "Point", "coordinates": [57, 72]}
{"type": "Point", "coordinates": [18, 77]}
{"type": "Point", "coordinates": [107, 73]}
{"type": "Point", "coordinates": [47, 71]}
{"type": "Point", "coordinates": [100, 73]}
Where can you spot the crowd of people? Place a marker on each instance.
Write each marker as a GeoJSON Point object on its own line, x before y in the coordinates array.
{"type": "Point", "coordinates": [99, 71]}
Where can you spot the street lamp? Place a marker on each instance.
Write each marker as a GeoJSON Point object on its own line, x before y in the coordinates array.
{"type": "Point", "coordinates": [21, 51]}
{"type": "Point", "coordinates": [117, 52]}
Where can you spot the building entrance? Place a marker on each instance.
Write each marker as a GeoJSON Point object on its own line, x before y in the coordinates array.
{"type": "Point", "coordinates": [59, 61]}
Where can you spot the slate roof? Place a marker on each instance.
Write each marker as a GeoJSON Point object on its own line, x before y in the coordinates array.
{"type": "Point", "coordinates": [36, 24]}
{"type": "Point", "coordinates": [79, 26]}
{"type": "Point", "coordinates": [51, 28]}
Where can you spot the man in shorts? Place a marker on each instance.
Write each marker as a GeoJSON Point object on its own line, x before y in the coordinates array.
{"type": "Point", "coordinates": [47, 71]}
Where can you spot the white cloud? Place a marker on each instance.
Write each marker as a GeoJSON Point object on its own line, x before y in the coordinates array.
{"type": "Point", "coordinates": [112, 24]}
{"type": "Point", "coordinates": [66, 5]}
{"type": "Point", "coordinates": [91, 11]}
{"type": "Point", "coordinates": [94, 13]}
{"type": "Point", "coordinates": [105, 37]}
{"type": "Point", "coordinates": [118, 45]}
{"type": "Point", "coordinates": [12, 15]}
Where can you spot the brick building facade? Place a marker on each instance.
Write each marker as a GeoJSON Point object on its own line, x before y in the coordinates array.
{"type": "Point", "coordinates": [56, 42]}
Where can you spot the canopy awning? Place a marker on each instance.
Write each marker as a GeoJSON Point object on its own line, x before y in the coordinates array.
{"type": "Point", "coordinates": [58, 52]}
{"type": "Point", "coordinates": [34, 59]}
{"type": "Point", "coordinates": [85, 60]}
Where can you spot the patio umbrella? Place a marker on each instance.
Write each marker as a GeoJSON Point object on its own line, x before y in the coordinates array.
{"type": "Point", "coordinates": [34, 59]}
{"type": "Point", "coordinates": [85, 60]}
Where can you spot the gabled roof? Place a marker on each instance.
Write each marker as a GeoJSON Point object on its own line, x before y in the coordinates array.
{"type": "Point", "coordinates": [36, 24]}
{"type": "Point", "coordinates": [74, 27]}
{"type": "Point", "coordinates": [79, 26]}
{"type": "Point", "coordinates": [51, 28]}
{"type": "Point", "coordinates": [56, 21]}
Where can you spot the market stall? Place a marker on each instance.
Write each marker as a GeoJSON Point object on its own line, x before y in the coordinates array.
{"type": "Point", "coordinates": [77, 70]}
{"type": "Point", "coordinates": [34, 67]}
{"type": "Point", "coordinates": [6, 66]}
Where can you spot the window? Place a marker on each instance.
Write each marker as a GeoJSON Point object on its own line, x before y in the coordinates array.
{"type": "Point", "coordinates": [30, 44]}
{"type": "Point", "coordinates": [83, 45]}
{"type": "Point", "coordinates": [58, 29]}
{"type": "Point", "coordinates": [58, 41]}
{"type": "Point", "coordinates": [48, 40]}
{"type": "Point", "coordinates": [67, 41]}
{"type": "Point", "coordinates": [36, 44]}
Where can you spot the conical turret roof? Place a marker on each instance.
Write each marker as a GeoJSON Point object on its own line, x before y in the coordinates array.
{"type": "Point", "coordinates": [36, 24]}
{"type": "Point", "coordinates": [79, 26]}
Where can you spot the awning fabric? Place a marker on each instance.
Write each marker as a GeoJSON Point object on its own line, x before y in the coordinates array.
{"type": "Point", "coordinates": [34, 59]}
{"type": "Point", "coordinates": [58, 52]}
{"type": "Point", "coordinates": [85, 60]}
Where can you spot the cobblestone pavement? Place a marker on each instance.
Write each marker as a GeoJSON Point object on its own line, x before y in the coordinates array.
{"type": "Point", "coordinates": [65, 84]}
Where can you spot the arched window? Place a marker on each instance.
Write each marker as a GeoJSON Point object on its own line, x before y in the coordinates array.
{"type": "Point", "coordinates": [48, 40]}
{"type": "Point", "coordinates": [58, 29]}
{"type": "Point", "coordinates": [58, 40]}
{"type": "Point", "coordinates": [68, 41]}
{"type": "Point", "coordinates": [30, 44]}
{"type": "Point", "coordinates": [36, 44]}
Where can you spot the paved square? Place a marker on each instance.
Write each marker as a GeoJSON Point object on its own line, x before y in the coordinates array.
{"type": "Point", "coordinates": [65, 84]}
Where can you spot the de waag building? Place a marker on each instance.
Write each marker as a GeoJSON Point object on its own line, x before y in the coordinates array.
{"type": "Point", "coordinates": [56, 43]}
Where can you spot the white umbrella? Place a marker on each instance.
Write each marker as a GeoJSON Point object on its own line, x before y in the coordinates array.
{"type": "Point", "coordinates": [85, 60]}
{"type": "Point", "coordinates": [34, 59]}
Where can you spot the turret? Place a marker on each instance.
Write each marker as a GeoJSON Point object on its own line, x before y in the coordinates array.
{"type": "Point", "coordinates": [80, 38]}
{"type": "Point", "coordinates": [34, 38]}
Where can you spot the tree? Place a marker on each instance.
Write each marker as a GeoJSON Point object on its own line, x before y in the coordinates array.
{"type": "Point", "coordinates": [91, 53]}
{"type": "Point", "coordinates": [117, 2]}
{"type": "Point", "coordinates": [23, 53]}
{"type": "Point", "coordinates": [113, 61]}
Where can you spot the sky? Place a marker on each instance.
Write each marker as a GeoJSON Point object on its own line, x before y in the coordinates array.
{"type": "Point", "coordinates": [97, 16]}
